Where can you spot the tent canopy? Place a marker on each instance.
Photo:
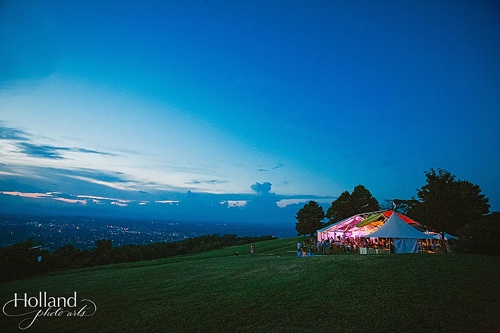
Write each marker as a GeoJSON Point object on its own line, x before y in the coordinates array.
{"type": "Point", "coordinates": [403, 217]}
{"type": "Point", "coordinates": [370, 219]}
{"type": "Point", "coordinates": [447, 236]}
{"type": "Point", "coordinates": [375, 224]}
{"type": "Point", "coordinates": [395, 227]}
{"type": "Point", "coordinates": [343, 225]}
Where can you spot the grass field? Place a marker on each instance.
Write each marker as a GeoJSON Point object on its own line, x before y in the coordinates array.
{"type": "Point", "coordinates": [219, 292]}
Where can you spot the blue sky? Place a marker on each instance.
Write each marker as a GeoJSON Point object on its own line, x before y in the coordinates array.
{"type": "Point", "coordinates": [234, 100]}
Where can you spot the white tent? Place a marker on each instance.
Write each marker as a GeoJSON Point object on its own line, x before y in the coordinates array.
{"type": "Point", "coordinates": [405, 236]}
{"type": "Point", "coordinates": [447, 236]}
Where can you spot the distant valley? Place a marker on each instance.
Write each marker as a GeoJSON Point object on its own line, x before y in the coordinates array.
{"type": "Point", "coordinates": [82, 232]}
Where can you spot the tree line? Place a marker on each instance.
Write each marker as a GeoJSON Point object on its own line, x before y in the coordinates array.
{"type": "Point", "coordinates": [29, 258]}
{"type": "Point", "coordinates": [443, 204]}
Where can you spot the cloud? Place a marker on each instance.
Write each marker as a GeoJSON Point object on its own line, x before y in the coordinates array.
{"type": "Point", "coordinates": [209, 181]}
{"type": "Point", "coordinates": [115, 185]}
{"type": "Point", "coordinates": [7, 173]}
{"type": "Point", "coordinates": [71, 201]}
{"type": "Point", "coordinates": [28, 195]}
{"type": "Point", "coordinates": [69, 198]}
{"type": "Point", "coordinates": [234, 203]}
{"type": "Point", "coordinates": [96, 175]}
{"type": "Point", "coordinates": [49, 195]}
{"type": "Point", "coordinates": [278, 166]}
{"type": "Point", "coordinates": [82, 181]}
{"type": "Point", "coordinates": [170, 202]}
{"type": "Point", "coordinates": [9, 133]}
{"type": "Point", "coordinates": [40, 151]}
{"type": "Point", "coordinates": [119, 204]}
{"type": "Point", "coordinates": [98, 198]}
{"type": "Point", "coordinates": [89, 151]}
{"type": "Point", "coordinates": [261, 188]}
{"type": "Point", "coordinates": [24, 142]}
{"type": "Point", "coordinates": [53, 152]}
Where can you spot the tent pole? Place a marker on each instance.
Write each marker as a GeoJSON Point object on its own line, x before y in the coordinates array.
{"type": "Point", "coordinates": [443, 243]}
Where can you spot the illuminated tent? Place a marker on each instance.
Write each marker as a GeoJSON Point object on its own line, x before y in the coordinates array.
{"type": "Point", "coordinates": [383, 216]}
{"type": "Point", "coordinates": [343, 228]}
{"type": "Point", "coordinates": [359, 225]}
{"type": "Point", "coordinates": [405, 236]}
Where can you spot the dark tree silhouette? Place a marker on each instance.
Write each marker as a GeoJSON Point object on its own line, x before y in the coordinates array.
{"type": "Point", "coordinates": [340, 208]}
{"type": "Point", "coordinates": [346, 205]}
{"type": "Point", "coordinates": [309, 219]}
{"type": "Point", "coordinates": [447, 204]}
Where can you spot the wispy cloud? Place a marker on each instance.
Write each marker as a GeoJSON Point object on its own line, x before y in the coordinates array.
{"type": "Point", "coordinates": [54, 152]}
{"type": "Point", "coordinates": [170, 202]}
{"type": "Point", "coordinates": [278, 166]}
{"type": "Point", "coordinates": [40, 151]}
{"type": "Point", "coordinates": [27, 195]}
{"type": "Point", "coordinates": [79, 199]}
{"type": "Point", "coordinates": [90, 151]}
{"type": "Point", "coordinates": [6, 173]}
{"type": "Point", "coordinates": [98, 175]}
{"type": "Point", "coordinates": [119, 204]}
{"type": "Point", "coordinates": [234, 203]}
{"type": "Point", "coordinates": [115, 185]}
{"type": "Point", "coordinates": [62, 165]}
{"type": "Point", "coordinates": [72, 201]}
{"type": "Point", "coordinates": [102, 198]}
{"type": "Point", "coordinates": [26, 144]}
{"type": "Point", "coordinates": [9, 133]}
{"type": "Point", "coordinates": [208, 181]}
{"type": "Point", "coordinates": [103, 184]}
{"type": "Point", "coordinates": [299, 200]}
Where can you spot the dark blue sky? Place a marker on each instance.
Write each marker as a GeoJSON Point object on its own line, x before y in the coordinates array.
{"type": "Point", "coordinates": [313, 97]}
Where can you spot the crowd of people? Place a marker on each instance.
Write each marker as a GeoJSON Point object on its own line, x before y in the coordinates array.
{"type": "Point", "coordinates": [340, 244]}
{"type": "Point", "coordinates": [432, 246]}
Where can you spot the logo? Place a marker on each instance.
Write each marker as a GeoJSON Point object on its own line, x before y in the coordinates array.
{"type": "Point", "coordinates": [30, 308]}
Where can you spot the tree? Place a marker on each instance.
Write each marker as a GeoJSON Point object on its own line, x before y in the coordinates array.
{"type": "Point", "coordinates": [363, 201]}
{"type": "Point", "coordinates": [401, 205]}
{"type": "Point", "coordinates": [481, 237]}
{"type": "Point", "coordinates": [447, 204]}
{"type": "Point", "coordinates": [65, 257]}
{"type": "Point", "coordinates": [309, 218]}
{"type": "Point", "coordinates": [20, 260]}
{"type": "Point", "coordinates": [346, 205]}
{"type": "Point", "coordinates": [340, 208]}
{"type": "Point", "coordinates": [103, 246]}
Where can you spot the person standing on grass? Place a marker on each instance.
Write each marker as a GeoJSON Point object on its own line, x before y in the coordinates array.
{"type": "Point", "coordinates": [252, 249]}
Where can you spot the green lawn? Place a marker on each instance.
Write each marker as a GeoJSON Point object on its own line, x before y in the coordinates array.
{"type": "Point", "coordinates": [274, 291]}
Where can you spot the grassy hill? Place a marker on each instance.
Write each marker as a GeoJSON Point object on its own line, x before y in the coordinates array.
{"type": "Point", "coordinates": [275, 291]}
